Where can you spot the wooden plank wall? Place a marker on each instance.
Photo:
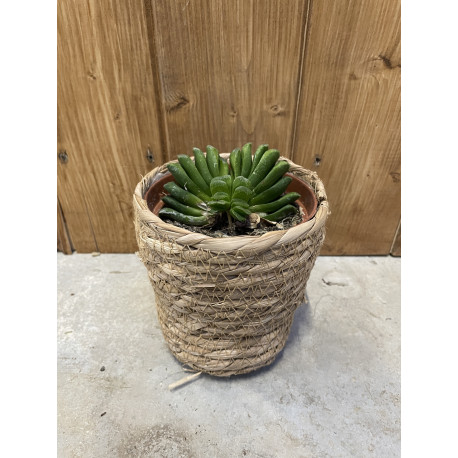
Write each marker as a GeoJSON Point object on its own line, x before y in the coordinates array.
{"type": "Point", "coordinates": [108, 116]}
{"type": "Point", "coordinates": [229, 71]}
{"type": "Point", "coordinates": [396, 247]}
{"type": "Point", "coordinates": [349, 121]}
{"type": "Point", "coordinates": [317, 79]}
{"type": "Point", "coordinates": [63, 241]}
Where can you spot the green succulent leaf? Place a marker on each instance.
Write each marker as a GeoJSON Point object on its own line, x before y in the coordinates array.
{"type": "Point", "coordinates": [223, 167]}
{"type": "Point", "coordinates": [221, 196]}
{"type": "Point", "coordinates": [175, 215]}
{"type": "Point", "coordinates": [246, 160]}
{"type": "Point", "coordinates": [236, 161]}
{"type": "Point", "coordinates": [190, 168]}
{"type": "Point", "coordinates": [257, 156]}
{"type": "Point", "coordinates": [272, 193]}
{"type": "Point", "coordinates": [242, 211]}
{"type": "Point", "coordinates": [219, 185]}
{"type": "Point", "coordinates": [276, 204]}
{"type": "Point", "coordinates": [242, 185]}
{"type": "Point", "coordinates": [272, 177]}
{"type": "Point", "coordinates": [242, 193]}
{"type": "Point", "coordinates": [185, 181]}
{"type": "Point", "coordinates": [267, 161]}
{"type": "Point", "coordinates": [240, 203]}
{"type": "Point", "coordinates": [227, 179]}
{"type": "Point", "coordinates": [185, 209]}
{"type": "Point", "coordinates": [282, 213]}
{"type": "Point", "coordinates": [183, 196]}
{"type": "Point", "coordinates": [201, 164]}
{"type": "Point", "coordinates": [235, 214]}
{"type": "Point", "coordinates": [241, 181]}
{"type": "Point", "coordinates": [219, 205]}
{"type": "Point", "coordinates": [213, 160]}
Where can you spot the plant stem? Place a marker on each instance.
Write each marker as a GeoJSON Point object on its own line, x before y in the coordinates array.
{"type": "Point", "coordinates": [229, 219]}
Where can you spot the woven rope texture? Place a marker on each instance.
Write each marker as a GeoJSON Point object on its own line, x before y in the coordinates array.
{"type": "Point", "coordinates": [226, 305]}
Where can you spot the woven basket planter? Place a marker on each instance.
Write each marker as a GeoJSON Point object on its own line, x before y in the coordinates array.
{"type": "Point", "coordinates": [226, 305]}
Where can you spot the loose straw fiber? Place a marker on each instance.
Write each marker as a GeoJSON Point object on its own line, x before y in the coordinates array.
{"type": "Point", "coordinates": [226, 305]}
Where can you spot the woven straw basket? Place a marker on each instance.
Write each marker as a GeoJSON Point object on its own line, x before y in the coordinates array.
{"type": "Point", "coordinates": [226, 305]}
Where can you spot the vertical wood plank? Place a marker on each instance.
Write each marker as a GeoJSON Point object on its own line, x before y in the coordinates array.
{"type": "Point", "coordinates": [108, 114]}
{"type": "Point", "coordinates": [396, 247]}
{"type": "Point", "coordinates": [229, 71]}
{"type": "Point", "coordinates": [63, 240]}
{"type": "Point", "coordinates": [348, 126]}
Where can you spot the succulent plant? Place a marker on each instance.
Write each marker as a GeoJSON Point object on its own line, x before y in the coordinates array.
{"type": "Point", "coordinates": [209, 187]}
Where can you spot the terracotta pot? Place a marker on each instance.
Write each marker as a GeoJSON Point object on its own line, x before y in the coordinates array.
{"type": "Point", "coordinates": [307, 202]}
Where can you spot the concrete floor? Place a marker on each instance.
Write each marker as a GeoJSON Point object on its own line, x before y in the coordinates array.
{"type": "Point", "coordinates": [333, 391]}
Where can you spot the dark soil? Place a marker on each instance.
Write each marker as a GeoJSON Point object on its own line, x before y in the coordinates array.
{"type": "Point", "coordinates": [221, 227]}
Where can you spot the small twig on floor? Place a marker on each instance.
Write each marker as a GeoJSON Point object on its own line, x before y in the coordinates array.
{"type": "Point", "coordinates": [184, 380]}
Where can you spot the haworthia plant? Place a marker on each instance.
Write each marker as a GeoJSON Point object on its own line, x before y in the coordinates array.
{"type": "Point", "coordinates": [209, 186]}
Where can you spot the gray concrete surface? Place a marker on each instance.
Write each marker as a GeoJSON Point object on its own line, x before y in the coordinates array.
{"type": "Point", "coordinates": [333, 391]}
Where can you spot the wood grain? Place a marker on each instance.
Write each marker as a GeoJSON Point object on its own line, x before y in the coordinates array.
{"type": "Point", "coordinates": [348, 126]}
{"type": "Point", "coordinates": [229, 71]}
{"type": "Point", "coordinates": [396, 247]}
{"type": "Point", "coordinates": [63, 241]}
{"type": "Point", "coordinates": [108, 115]}
{"type": "Point", "coordinates": [318, 80]}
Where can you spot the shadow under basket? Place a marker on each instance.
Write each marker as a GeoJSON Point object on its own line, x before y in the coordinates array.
{"type": "Point", "coordinates": [226, 305]}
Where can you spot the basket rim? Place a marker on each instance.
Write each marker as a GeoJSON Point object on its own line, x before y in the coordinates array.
{"type": "Point", "coordinates": [187, 237]}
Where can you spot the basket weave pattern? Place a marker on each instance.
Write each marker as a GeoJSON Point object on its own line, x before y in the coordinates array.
{"type": "Point", "coordinates": [226, 305]}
